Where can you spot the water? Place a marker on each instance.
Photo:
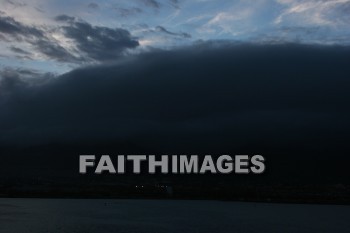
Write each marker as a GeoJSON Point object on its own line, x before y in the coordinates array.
{"type": "Point", "coordinates": [99, 216]}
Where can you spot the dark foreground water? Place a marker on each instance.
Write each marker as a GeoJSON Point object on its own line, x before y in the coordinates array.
{"type": "Point", "coordinates": [98, 216]}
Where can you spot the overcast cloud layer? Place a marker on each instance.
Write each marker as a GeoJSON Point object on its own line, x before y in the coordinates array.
{"type": "Point", "coordinates": [175, 72]}
{"type": "Point", "coordinates": [213, 94]}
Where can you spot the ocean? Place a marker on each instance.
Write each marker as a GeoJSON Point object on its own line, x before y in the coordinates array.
{"type": "Point", "coordinates": [157, 216]}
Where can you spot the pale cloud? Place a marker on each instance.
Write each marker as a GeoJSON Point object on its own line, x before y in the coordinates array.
{"type": "Point", "coordinates": [312, 12]}
{"type": "Point", "coordinates": [225, 17]}
{"type": "Point", "coordinates": [226, 21]}
{"type": "Point", "coordinates": [237, 19]}
{"type": "Point", "coordinates": [32, 12]}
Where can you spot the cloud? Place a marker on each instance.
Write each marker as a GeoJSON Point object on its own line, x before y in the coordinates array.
{"type": "Point", "coordinates": [126, 12]}
{"type": "Point", "coordinates": [64, 18]}
{"type": "Point", "coordinates": [300, 35]}
{"type": "Point", "coordinates": [36, 37]}
{"type": "Point", "coordinates": [27, 75]}
{"type": "Point", "coordinates": [99, 43]}
{"type": "Point", "coordinates": [311, 12]}
{"type": "Point", "coordinates": [151, 3]}
{"type": "Point", "coordinates": [24, 27]}
{"type": "Point", "coordinates": [15, 3]}
{"type": "Point", "coordinates": [15, 79]}
{"type": "Point", "coordinates": [179, 34]}
{"type": "Point", "coordinates": [211, 95]}
{"type": "Point", "coordinates": [10, 27]}
{"type": "Point", "coordinates": [19, 50]}
{"type": "Point", "coordinates": [175, 3]}
{"type": "Point", "coordinates": [73, 42]}
{"type": "Point", "coordinates": [93, 5]}
{"type": "Point", "coordinates": [235, 21]}
{"type": "Point", "coordinates": [55, 51]}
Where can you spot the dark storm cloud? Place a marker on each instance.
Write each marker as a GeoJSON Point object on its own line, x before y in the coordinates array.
{"type": "Point", "coordinates": [19, 50]}
{"type": "Point", "coordinates": [64, 18]}
{"type": "Point", "coordinates": [207, 95]}
{"type": "Point", "coordinates": [93, 43]}
{"type": "Point", "coordinates": [93, 5]}
{"type": "Point", "coordinates": [55, 51]}
{"type": "Point", "coordinates": [22, 73]}
{"type": "Point", "coordinates": [150, 3]}
{"type": "Point", "coordinates": [9, 26]}
{"type": "Point", "coordinates": [157, 4]}
{"type": "Point", "coordinates": [100, 43]}
{"type": "Point", "coordinates": [36, 37]}
{"type": "Point", "coordinates": [16, 79]}
{"type": "Point", "coordinates": [180, 34]}
{"type": "Point", "coordinates": [21, 53]}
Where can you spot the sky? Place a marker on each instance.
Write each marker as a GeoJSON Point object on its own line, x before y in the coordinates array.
{"type": "Point", "coordinates": [176, 76]}
{"type": "Point", "coordinates": [114, 70]}
{"type": "Point", "coordinates": [59, 36]}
